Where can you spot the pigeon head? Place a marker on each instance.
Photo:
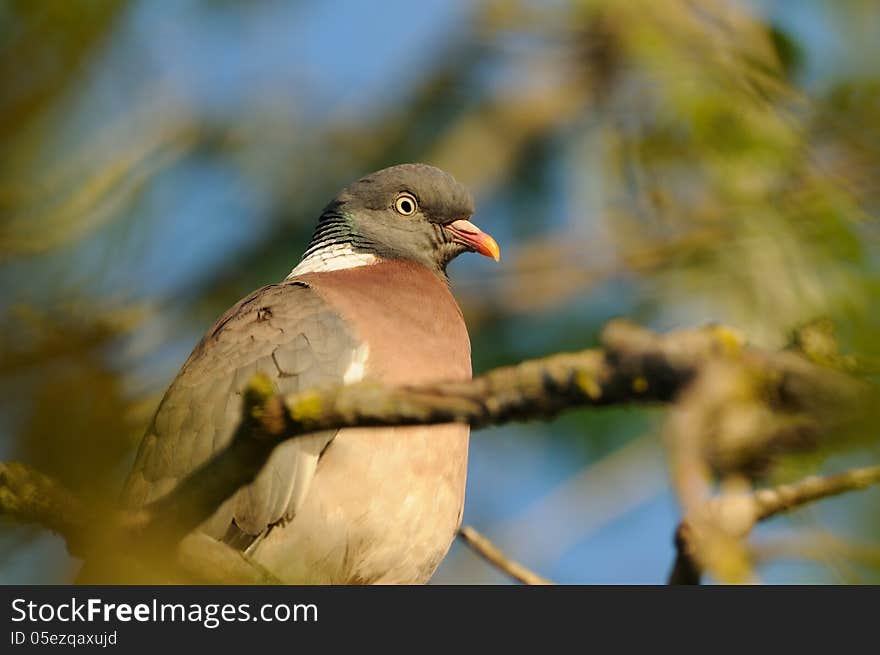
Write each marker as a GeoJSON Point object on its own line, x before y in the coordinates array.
{"type": "Point", "coordinates": [411, 211]}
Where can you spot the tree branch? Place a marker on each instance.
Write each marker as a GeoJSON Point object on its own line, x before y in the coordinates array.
{"type": "Point", "coordinates": [760, 505]}
{"type": "Point", "coordinates": [636, 365]}
{"type": "Point", "coordinates": [28, 496]}
{"type": "Point", "coordinates": [213, 562]}
{"type": "Point", "coordinates": [704, 371]}
{"type": "Point", "coordinates": [628, 372]}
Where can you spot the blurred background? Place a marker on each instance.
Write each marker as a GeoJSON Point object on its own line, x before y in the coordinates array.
{"type": "Point", "coordinates": [677, 162]}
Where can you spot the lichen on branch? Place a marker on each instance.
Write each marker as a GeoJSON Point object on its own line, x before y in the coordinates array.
{"type": "Point", "coordinates": [709, 376]}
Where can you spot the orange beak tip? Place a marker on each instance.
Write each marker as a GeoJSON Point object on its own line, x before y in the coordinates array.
{"type": "Point", "coordinates": [492, 249]}
{"type": "Point", "coordinates": [473, 237]}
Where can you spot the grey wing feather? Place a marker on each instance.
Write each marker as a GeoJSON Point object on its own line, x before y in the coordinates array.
{"type": "Point", "coordinates": [285, 331]}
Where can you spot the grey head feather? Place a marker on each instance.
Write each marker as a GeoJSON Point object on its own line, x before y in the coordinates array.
{"type": "Point", "coordinates": [363, 216]}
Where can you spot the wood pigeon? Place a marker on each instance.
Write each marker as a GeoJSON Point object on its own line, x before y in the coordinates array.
{"type": "Point", "coordinates": [369, 300]}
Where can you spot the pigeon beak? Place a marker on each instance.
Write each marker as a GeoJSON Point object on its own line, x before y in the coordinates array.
{"type": "Point", "coordinates": [469, 235]}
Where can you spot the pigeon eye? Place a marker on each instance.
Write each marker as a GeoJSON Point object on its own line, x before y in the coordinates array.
{"type": "Point", "coordinates": [406, 204]}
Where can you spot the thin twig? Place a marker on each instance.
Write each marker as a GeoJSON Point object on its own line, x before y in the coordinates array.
{"type": "Point", "coordinates": [766, 503]}
{"type": "Point", "coordinates": [492, 554]}
{"type": "Point", "coordinates": [769, 502]}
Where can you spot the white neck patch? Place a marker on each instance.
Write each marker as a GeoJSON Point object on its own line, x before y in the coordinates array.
{"type": "Point", "coordinates": [333, 258]}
